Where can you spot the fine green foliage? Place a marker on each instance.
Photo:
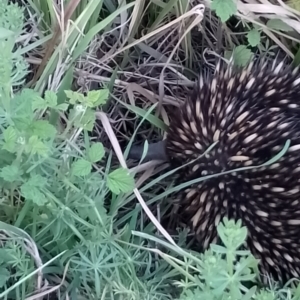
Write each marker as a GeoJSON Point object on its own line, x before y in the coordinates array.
{"type": "Point", "coordinates": [229, 272]}
{"type": "Point", "coordinates": [37, 142]}
{"type": "Point", "coordinates": [224, 8]}
{"type": "Point", "coordinates": [13, 66]}
{"type": "Point", "coordinates": [14, 264]}
{"type": "Point", "coordinates": [45, 179]}
{"type": "Point", "coordinates": [71, 205]}
{"type": "Point", "coordinates": [12, 16]}
{"type": "Point", "coordinates": [224, 270]}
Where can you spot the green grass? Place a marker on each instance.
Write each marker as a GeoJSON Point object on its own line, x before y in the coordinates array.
{"type": "Point", "coordinates": [77, 220]}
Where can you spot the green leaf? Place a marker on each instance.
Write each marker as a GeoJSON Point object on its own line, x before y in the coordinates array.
{"type": "Point", "coordinates": [81, 167]}
{"type": "Point", "coordinates": [35, 146]}
{"type": "Point", "coordinates": [250, 293]}
{"type": "Point", "coordinates": [278, 24]}
{"type": "Point", "coordinates": [119, 181]}
{"type": "Point", "coordinates": [75, 97]}
{"type": "Point", "coordinates": [22, 103]}
{"type": "Point", "coordinates": [51, 98]}
{"type": "Point", "coordinates": [253, 37]}
{"type": "Point", "coordinates": [218, 249]}
{"type": "Point", "coordinates": [72, 96]}
{"type": "Point", "coordinates": [157, 122]}
{"type": "Point", "coordinates": [37, 181]}
{"type": "Point", "coordinates": [5, 33]}
{"type": "Point", "coordinates": [97, 97]}
{"type": "Point", "coordinates": [31, 190]}
{"type": "Point", "coordinates": [33, 194]}
{"type": "Point", "coordinates": [10, 138]}
{"type": "Point", "coordinates": [10, 134]}
{"type": "Point", "coordinates": [62, 107]}
{"type": "Point", "coordinates": [10, 173]}
{"type": "Point", "coordinates": [22, 123]}
{"type": "Point", "coordinates": [10, 147]}
{"type": "Point", "coordinates": [224, 8]}
{"type": "Point", "coordinates": [39, 103]}
{"type": "Point", "coordinates": [86, 121]}
{"type": "Point", "coordinates": [4, 276]}
{"type": "Point", "coordinates": [5, 256]}
{"type": "Point", "coordinates": [43, 129]}
{"type": "Point", "coordinates": [96, 152]}
{"type": "Point", "coordinates": [241, 55]}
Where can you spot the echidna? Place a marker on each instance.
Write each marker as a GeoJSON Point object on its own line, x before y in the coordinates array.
{"type": "Point", "coordinates": [250, 112]}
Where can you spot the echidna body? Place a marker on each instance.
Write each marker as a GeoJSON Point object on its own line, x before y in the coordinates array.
{"type": "Point", "coordinates": [251, 113]}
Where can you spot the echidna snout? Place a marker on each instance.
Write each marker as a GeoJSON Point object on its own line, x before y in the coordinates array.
{"type": "Point", "coordinates": [251, 113]}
